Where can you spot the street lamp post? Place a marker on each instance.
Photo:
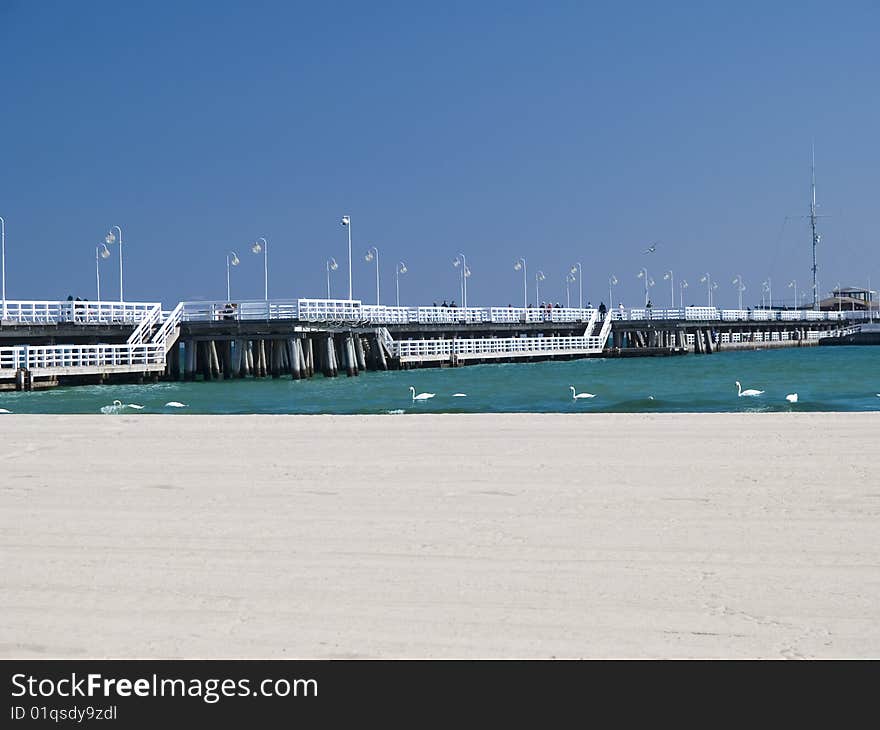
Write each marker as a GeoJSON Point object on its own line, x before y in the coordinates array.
{"type": "Point", "coordinates": [111, 238]}
{"type": "Point", "coordinates": [101, 252]}
{"type": "Point", "coordinates": [256, 248]}
{"type": "Point", "coordinates": [707, 279]}
{"type": "Point", "coordinates": [612, 280]}
{"type": "Point", "coordinates": [539, 277]}
{"type": "Point", "coordinates": [682, 285]}
{"type": "Point", "coordinates": [3, 261]}
{"type": "Point", "coordinates": [460, 262]}
{"type": "Point", "coordinates": [671, 277]}
{"type": "Point", "coordinates": [740, 287]}
{"type": "Point", "coordinates": [793, 284]}
{"type": "Point", "coordinates": [580, 271]}
{"type": "Point", "coordinates": [768, 287]}
{"type": "Point", "coordinates": [643, 274]}
{"type": "Point", "coordinates": [398, 270]}
{"type": "Point", "coordinates": [346, 223]}
{"type": "Point", "coordinates": [373, 253]}
{"type": "Point", "coordinates": [331, 266]}
{"type": "Point", "coordinates": [231, 260]}
{"type": "Point", "coordinates": [521, 265]}
{"type": "Point", "coordinates": [569, 279]}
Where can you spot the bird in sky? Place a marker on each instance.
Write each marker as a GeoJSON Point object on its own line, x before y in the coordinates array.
{"type": "Point", "coordinates": [650, 249]}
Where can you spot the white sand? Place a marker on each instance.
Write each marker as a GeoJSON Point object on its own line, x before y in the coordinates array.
{"type": "Point", "coordinates": [440, 536]}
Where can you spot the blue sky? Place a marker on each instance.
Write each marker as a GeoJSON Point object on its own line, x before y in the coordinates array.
{"type": "Point", "coordinates": [560, 132]}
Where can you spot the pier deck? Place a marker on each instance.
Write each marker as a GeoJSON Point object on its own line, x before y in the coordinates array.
{"type": "Point", "coordinates": [61, 342]}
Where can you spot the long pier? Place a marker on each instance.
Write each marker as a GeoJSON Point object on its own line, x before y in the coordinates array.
{"type": "Point", "coordinates": [55, 343]}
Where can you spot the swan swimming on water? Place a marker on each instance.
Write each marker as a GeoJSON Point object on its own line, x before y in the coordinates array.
{"type": "Point", "coordinates": [751, 392]}
{"type": "Point", "coordinates": [459, 395]}
{"type": "Point", "coordinates": [175, 404]}
{"type": "Point", "coordinates": [118, 405]}
{"type": "Point", "coordinates": [3, 410]}
{"type": "Point", "coordinates": [792, 397]}
{"type": "Point", "coordinates": [114, 408]}
{"type": "Point", "coordinates": [420, 396]}
{"type": "Point", "coordinates": [577, 396]}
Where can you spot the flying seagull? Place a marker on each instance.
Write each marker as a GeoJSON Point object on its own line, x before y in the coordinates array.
{"type": "Point", "coordinates": [651, 248]}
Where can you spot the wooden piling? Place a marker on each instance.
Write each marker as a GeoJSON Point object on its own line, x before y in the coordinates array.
{"type": "Point", "coordinates": [361, 356]}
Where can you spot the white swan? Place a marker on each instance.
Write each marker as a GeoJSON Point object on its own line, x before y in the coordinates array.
{"type": "Point", "coordinates": [118, 406]}
{"type": "Point", "coordinates": [577, 396]}
{"type": "Point", "coordinates": [175, 404]}
{"type": "Point", "coordinates": [751, 392]}
{"type": "Point", "coordinates": [459, 395]}
{"type": "Point", "coordinates": [791, 397]}
{"type": "Point", "coordinates": [3, 410]}
{"type": "Point", "coordinates": [420, 396]}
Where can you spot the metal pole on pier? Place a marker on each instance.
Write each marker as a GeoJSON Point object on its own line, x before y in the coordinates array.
{"type": "Point", "coordinates": [3, 260]}
{"type": "Point", "coordinates": [816, 236]}
{"type": "Point", "coordinates": [669, 275]}
{"type": "Point", "coordinates": [707, 278]}
{"type": "Point", "coordinates": [101, 252]}
{"type": "Point", "coordinates": [740, 287]}
{"type": "Point", "coordinates": [257, 247]}
{"type": "Point", "coordinates": [612, 280]}
{"type": "Point", "coordinates": [643, 274]}
{"type": "Point", "coordinates": [373, 253]}
{"type": "Point", "coordinates": [398, 270]}
{"type": "Point", "coordinates": [111, 238]}
{"type": "Point", "coordinates": [231, 259]}
{"type": "Point", "coordinates": [580, 271]}
{"type": "Point", "coordinates": [539, 277]}
{"type": "Point", "coordinates": [460, 262]}
{"type": "Point", "coordinates": [520, 265]}
{"type": "Point", "coordinates": [346, 222]}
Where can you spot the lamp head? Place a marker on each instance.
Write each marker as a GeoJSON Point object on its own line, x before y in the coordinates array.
{"type": "Point", "coordinates": [456, 262]}
{"type": "Point", "coordinates": [369, 256]}
{"type": "Point", "coordinates": [345, 220]}
{"type": "Point", "coordinates": [331, 264]}
{"type": "Point", "coordinates": [683, 284]}
{"type": "Point", "coordinates": [401, 267]}
{"type": "Point", "coordinates": [257, 247]}
{"type": "Point", "coordinates": [467, 272]}
{"type": "Point", "coordinates": [110, 237]}
{"type": "Point", "coordinates": [667, 275]}
{"type": "Point", "coordinates": [104, 251]}
{"type": "Point", "coordinates": [234, 260]}
{"type": "Point", "coordinates": [518, 265]}
{"type": "Point", "coordinates": [641, 274]}
{"type": "Point", "coordinates": [540, 276]}
{"type": "Point", "coordinates": [612, 280]}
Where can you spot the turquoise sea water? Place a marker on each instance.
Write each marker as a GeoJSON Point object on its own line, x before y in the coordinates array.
{"type": "Point", "coordinates": [825, 379]}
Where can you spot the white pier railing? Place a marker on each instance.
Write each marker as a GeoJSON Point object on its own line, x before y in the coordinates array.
{"type": "Point", "coordinates": [53, 360]}
{"type": "Point", "coordinates": [355, 312]}
{"type": "Point", "coordinates": [144, 352]}
{"type": "Point", "coordinates": [57, 312]}
{"type": "Point", "coordinates": [713, 314]}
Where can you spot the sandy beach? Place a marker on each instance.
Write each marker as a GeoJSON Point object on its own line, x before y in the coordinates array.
{"type": "Point", "coordinates": [714, 535]}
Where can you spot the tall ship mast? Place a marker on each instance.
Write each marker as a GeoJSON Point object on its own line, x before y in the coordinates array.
{"type": "Point", "coordinates": [816, 235]}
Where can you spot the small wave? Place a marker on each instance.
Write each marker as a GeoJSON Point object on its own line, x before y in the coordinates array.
{"type": "Point", "coordinates": [395, 412]}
